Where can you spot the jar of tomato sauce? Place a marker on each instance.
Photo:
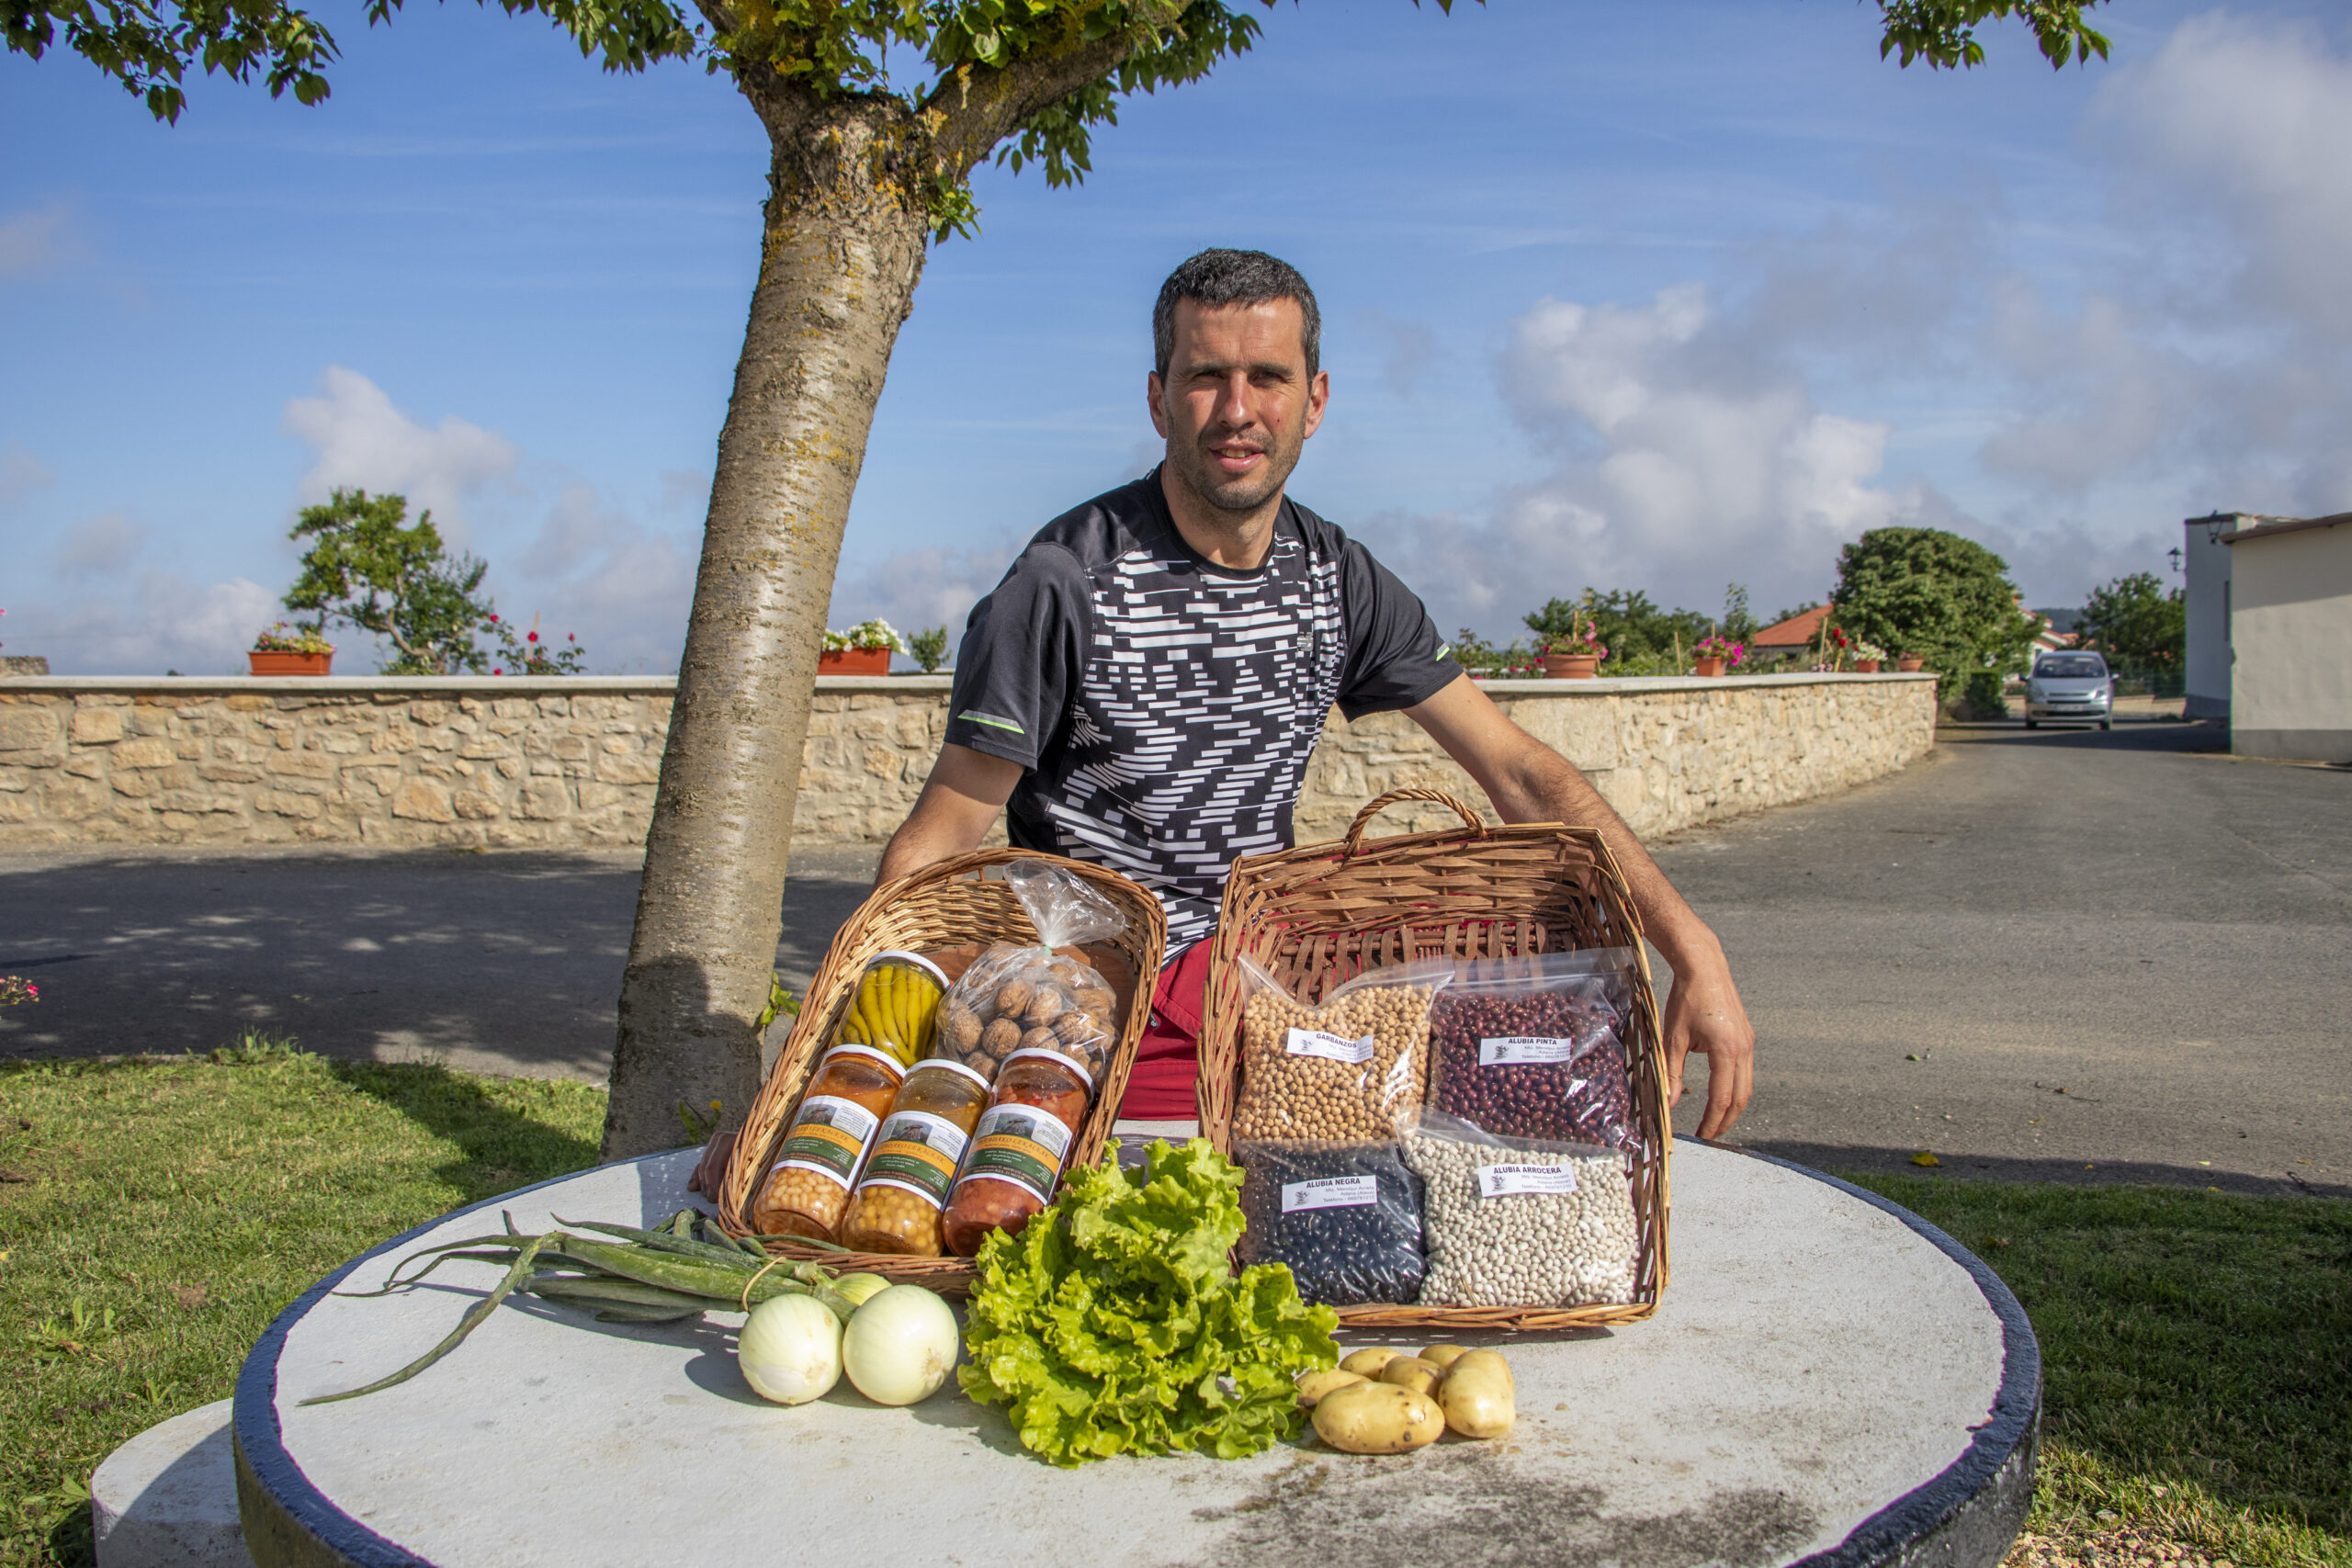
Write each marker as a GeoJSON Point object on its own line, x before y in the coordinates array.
{"type": "Point", "coordinates": [808, 1185]}
{"type": "Point", "coordinates": [911, 1172]}
{"type": "Point", "coordinates": [1018, 1147]}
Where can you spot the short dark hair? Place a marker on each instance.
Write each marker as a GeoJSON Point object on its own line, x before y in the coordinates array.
{"type": "Point", "coordinates": [1220, 278]}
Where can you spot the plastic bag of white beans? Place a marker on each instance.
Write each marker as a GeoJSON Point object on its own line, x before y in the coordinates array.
{"type": "Point", "coordinates": [1518, 1222]}
{"type": "Point", "coordinates": [1342, 1071]}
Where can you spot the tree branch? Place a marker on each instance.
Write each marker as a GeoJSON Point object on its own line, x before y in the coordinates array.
{"type": "Point", "coordinates": [980, 106]}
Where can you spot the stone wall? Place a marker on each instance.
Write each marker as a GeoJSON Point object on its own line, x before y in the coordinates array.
{"type": "Point", "coordinates": [571, 761]}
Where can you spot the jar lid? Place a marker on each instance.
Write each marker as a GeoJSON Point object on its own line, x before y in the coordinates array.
{"type": "Point", "coordinates": [1084, 1076]}
{"type": "Point", "coordinates": [884, 1057]}
{"type": "Point", "coordinates": [952, 1065]}
{"type": "Point", "coordinates": [899, 956]}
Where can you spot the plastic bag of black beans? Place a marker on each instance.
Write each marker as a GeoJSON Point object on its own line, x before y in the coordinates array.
{"type": "Point", "coordinates": [1534, 1047]}
{"type": "Point", "coordinates": [1346, 1217]}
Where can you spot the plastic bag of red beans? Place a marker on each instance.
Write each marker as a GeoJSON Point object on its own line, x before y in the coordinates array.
{"type": "Point", "coordinates": [1534, 1047]}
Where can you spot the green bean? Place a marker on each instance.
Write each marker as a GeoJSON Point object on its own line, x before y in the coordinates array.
{"type": "Point", "coordinates": [467, 1325]}
{"type": "Point", "coordinates": [642, 1314]}
{"type": "Point", "coordinates": [662, 1240]}
{"type": "Point", "coordinates": [625, 1293]}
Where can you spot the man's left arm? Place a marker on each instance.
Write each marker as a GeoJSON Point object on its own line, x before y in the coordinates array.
{"type": "Point", "coordinates": [1529, 781]}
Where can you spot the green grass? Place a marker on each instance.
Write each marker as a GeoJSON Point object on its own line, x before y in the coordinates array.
{"type": "Point", "coordinates": [2198, 1356]}
{"type": "Point", "coordinates": [2198, 1345]}
{"type": "Point", "coordinates": [157, 1214]}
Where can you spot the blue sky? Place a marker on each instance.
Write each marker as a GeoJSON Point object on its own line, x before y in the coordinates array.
{"type": "Point", "coordinates": [1655, 294]}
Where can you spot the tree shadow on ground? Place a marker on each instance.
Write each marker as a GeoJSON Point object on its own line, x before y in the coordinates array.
{"type": "Point", "coordinates": [500, 1145]}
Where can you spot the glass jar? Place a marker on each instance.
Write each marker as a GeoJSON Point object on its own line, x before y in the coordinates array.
{"type": "Point", "coordinates": [1018, 1149]}
{"type": "Point", "coordinates": [911, 1172]}
{"type": "Point", "coordinates": [808, 1185]}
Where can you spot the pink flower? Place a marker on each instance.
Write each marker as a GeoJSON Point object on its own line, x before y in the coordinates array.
{"type": "Point", "coordinates": [530, 636]}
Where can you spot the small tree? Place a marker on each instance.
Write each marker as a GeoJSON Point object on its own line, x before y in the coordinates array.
{"type": "Point", "coordinates": [1627, 623]}
{"type": "Point", "coordinates": [929, 648]}
{"type": "Point", "coordinates": [1739, 622]}
{"type": "Point", "coordinates": [363, 568]}
{"type": "Point", "coordinates": [2140, 628]}
{"type": "Point", "coordinates": [1925, 592]}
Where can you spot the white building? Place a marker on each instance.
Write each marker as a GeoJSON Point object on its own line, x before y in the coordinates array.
{"type": "Point", "coordinates": [2270, 609]}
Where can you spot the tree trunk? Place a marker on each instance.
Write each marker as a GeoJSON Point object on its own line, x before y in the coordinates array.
{"type": "Point", "coordinates": [842, 248]}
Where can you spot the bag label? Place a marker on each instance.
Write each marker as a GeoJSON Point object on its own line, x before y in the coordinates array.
{"type": "Point", "coordinates": [1331, 1192]}
{"type": "Point", "coordinates": [1019, 1144]}
{"type": "Point", "coordinates": [1501, 1181]}
{"type": "Point", "coordinates": [1331, 1047]}
{"type": "Point", "coordinates": [1519, 1050]}
{"type": "Point", "coordinates": [829, 1137]}
{"type": "Point", "coordinates": [917, 1152]}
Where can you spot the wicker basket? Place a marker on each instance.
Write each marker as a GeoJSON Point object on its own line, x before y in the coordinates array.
{"type": "Point", "coordinates": [1323, 913]}
{"type": "Point", "coordinates": [938, 906]}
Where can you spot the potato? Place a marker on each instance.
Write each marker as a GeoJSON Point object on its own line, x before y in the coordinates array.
{"type": "Point", "coordinates": [1491, 1359]}
{"type": "Point", "coordinates": [1367, 1362]}
{"type": "Point", "coordinates": [1445, 1355]}
{"type": "Point", "coordinates": [1313, 1386]}
{"type": "Point", "coordinates": [1378, 1418]}
{"type": "Point", "coordinates": [1411, 1371]}
{"type": "Point", "coordinates": [1477, 1395]}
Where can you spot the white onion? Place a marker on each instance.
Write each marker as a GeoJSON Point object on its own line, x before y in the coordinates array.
{"type": "Point", "coordinates": [900, 1346]}
{"type": "Point", "coordinates": [860, 1289]}
{"type": "Point", "coordinates": [790, 1349]}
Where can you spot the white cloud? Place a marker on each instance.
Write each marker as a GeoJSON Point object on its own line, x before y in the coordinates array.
{"type": "Point", "coordinates": [158, 619]}
{"type": "Point", "coordinates": [595, 572]}
{"type": "Point", "coordinates": [1684, 459]}
{"type": "Point", "coordinates": [38, 240]}
{"type": "Point", "coordinates": [21, 473]}
{"type": "Point", "coordinates": [916, 590]}
{"type": "Point", "coordinates": [362, 439]}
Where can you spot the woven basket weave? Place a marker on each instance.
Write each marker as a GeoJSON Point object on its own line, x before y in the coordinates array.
{"type": "Point", "coordinates": [1323, 913]}
{"type": "Point", "coordinates": [940, 906]}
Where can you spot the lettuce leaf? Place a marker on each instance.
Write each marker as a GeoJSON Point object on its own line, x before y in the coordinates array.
{"type": "Point", "coordinates": [1114, 1323]}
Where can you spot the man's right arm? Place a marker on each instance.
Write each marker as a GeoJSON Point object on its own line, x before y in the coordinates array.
{"type": "Point", "coordinates": [958, 806]}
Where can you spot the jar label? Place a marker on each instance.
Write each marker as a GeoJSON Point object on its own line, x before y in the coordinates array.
{"type": "Point", "coordinates": [1331, 1192]}
{"type": "Point", "coordinates": [1500, 1181]}
{"type": "Point", "coordinates": [917, 1152]}
{"type": "Point", "coordinates": [829, 1137]}
{"type": "Point", "coordinates": [1331, 1047]}
{"type": "Point", "coordinates": [1516, 1050]}
{"type": "Point", "coordinates": [1019, 1144]}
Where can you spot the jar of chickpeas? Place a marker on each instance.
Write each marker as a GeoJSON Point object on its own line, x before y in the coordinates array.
{"type": "Point", "coordinates": [912, 1167]}
{"type": "Point", "coordinates": [809, 1186]}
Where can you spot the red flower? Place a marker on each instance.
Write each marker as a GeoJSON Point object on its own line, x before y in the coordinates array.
{"type": "Point", "coordinates": [530, 636]}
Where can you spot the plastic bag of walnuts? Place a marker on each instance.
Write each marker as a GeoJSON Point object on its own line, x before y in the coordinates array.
{"type": "Point", "coordinates": [1019, 996]}
{"type": "Point", "coordinates": [1521, 1221]}
{"type": "Point", "coordinates": [1341, 1072]}
{"type": "Point", "coordinates": [1534, 1047]}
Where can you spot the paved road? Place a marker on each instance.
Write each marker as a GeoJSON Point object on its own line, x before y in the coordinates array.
{"type": "Point", "coordinates": [2060, 954]}
{"type": "Point", "coordinates": [2164, 935]}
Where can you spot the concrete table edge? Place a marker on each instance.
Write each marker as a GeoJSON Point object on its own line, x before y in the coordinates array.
{"type": "Point", "coordinates": [1964, 1518]}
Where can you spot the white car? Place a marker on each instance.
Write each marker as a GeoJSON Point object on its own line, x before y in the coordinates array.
{"type": "Point", "coordinates": [2070, 688]}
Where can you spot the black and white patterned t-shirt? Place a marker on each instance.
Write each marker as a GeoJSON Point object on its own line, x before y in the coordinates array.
{"type": "Point", "coordinates": [1165, 708]}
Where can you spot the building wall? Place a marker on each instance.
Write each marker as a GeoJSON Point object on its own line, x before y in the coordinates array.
{"type": "Point", "coordinates": [2207, 565]}
{"type": "Point", "coordinates": [2290, 619]}
{"type": "Point", "coordinates": [572, 763]}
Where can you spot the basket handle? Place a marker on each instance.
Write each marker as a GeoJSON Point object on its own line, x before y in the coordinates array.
{"type": "Point", "coordinates": [1354, 845]}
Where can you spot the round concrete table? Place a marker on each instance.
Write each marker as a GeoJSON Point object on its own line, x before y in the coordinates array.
{"type": "Point", "coordinates": [1828, 1380]}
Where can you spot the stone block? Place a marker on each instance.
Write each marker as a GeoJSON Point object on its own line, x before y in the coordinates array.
{"type": "Point", "coordinates": [544, 800]}
{"type": "Point", "coordinates": [596, 797]}
{"type": "Point", "coordinates": [297, 765]}
{"type": "Point", "coordinates": [641, 769]}
{"type": "Point", "coordinates": [510, 767]}
{"type": "Point", "coordinates": [422, 801]}
{"type": "Point", "coordinates": [476, 804]}
{"type": "Point", "coordinates": [245, 703]}
{"type": "Point", "coordinates": [134, 786]}
{"type": "Point", "coordinates": [570, 748]}
{"type": "Point", "coordinates": [72, 802]}
{"type": "Point", "coordinates": [484, 749]}
{"type": "Point", "coordinates": [87, 766]}
{"type": "Point", "coordinates": [96, 727]}
{"type": "Point", "coordinates": [26, 728]}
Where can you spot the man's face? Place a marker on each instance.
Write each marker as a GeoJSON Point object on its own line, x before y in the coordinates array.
{"type": "Point", "coordinates": [1238, 404]}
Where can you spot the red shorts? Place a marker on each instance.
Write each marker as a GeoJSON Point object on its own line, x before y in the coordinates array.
{"type": "Point", "coordinates": [1167, 1060]}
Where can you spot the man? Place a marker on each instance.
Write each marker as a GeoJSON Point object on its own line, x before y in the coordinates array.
{"type": "Point", "coordinates": [1145, 686]}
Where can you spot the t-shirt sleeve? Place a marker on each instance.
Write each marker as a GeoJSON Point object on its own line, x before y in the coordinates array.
{"type": "Point", "coordinates": [1021, 658]}
{"type": "Point", "coordinates": [1395, 657]}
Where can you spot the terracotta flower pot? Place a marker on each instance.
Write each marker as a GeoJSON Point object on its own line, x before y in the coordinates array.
{"type": "Point", "coordinates": [1866, 666]}
{"type": "Point", "coordinates": [1908, 665]}
{"type": "Point", "coordinates": [1708, 666]}
{"type": "Point", "coordinates": [288, 663]}
{"type": "Point", "coordinates": [853, 661]}
{"type": "Point", "coordinates": [1572, 666]}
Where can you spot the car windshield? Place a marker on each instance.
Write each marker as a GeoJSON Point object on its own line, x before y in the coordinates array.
{"type": "Point", "coordinates": [2082, 667]}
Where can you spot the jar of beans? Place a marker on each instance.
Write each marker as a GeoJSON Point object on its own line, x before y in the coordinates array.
{"type": "Point", "coordinates": [911, 1172]}
{"type": "Point", "coordinates": [1018, 1149]}
{"type": "Point", "coordinates": [808, 1186]}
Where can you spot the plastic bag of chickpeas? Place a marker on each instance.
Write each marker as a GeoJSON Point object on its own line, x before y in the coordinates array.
{"type": "Point", "coordinates": [1027, 997]}
{"type": "Point", "coordinates": [1341, 1071]}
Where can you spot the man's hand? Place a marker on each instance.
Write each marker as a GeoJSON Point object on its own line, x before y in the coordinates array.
{"type": "Point", "coordinates": [1703, 1015]}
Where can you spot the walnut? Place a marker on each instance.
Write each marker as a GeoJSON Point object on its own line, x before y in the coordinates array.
{"type": "Point", "coordinates": [1074, 1027]}
{"type": "Point", "coordinates": [1045, 1007]}
{"type": "Point", "coordinates": [961, 1028]}
{"type": "Point", "coordinates": [999, 1038]}
{"type": "Point", "coordinates": [1041, 1040]}
{"type": "Point", "coordinates": [1011, 997]}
